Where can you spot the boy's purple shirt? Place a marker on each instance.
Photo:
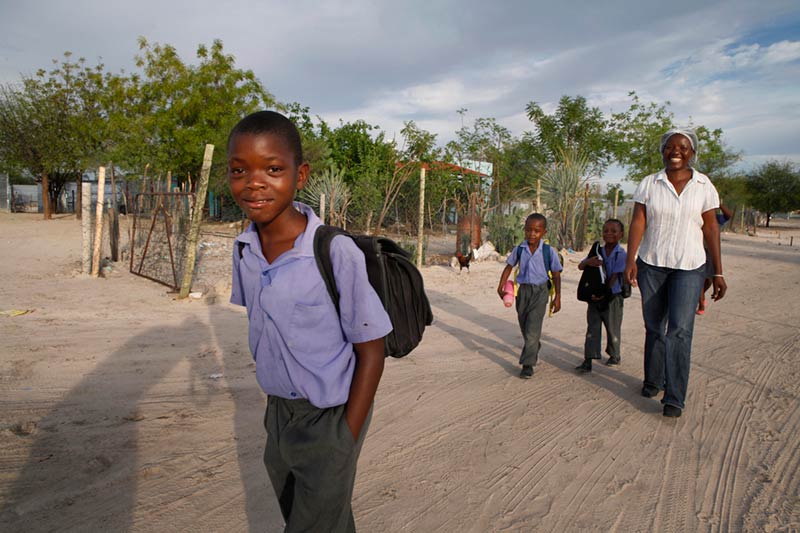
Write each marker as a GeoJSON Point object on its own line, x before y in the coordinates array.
{"type": "Point", "coordinates": [615, 264]}
{"type": "Point", "coordinates": [301, 346]}
{"type": "Point", "coordinates": [531, 268]}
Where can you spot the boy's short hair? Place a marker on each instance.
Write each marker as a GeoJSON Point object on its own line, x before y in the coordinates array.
{"type": "Point", "coordinates": [537, 216]}
{"type": "Point", "coordinates": [621, 225]}
{"type": "Point", "coordinates": [271, 123]}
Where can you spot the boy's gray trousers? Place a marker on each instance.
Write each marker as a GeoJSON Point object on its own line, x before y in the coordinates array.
{"type": "Point", "coordinates": [311, 461]}
{"type": "Point", "coordinates": [531, 307]}
{"type": "Point", "coordinates": [611, 318]}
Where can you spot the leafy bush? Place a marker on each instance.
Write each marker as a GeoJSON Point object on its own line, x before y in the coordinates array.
{"type": "Point", "coordinates": [330, 182]}
{"type": "Point", "coordinates": [506, 231]}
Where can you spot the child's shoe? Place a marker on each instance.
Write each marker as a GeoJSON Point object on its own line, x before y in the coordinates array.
{"type": "Point", "coordinates": [671, 411]}
{"type": "Point", "coordinates": [584, 367]}
{"type": "Point", "coordinates": [612, 361]}
{"type": "Point", "coordinates": [526, 372]}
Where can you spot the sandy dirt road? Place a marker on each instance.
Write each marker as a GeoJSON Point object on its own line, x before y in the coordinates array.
{"type": "Point", "coordinates": [123, 409]}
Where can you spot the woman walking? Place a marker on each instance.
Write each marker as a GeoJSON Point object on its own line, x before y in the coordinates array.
{"type": "Point", "coordinates": [674, 211]}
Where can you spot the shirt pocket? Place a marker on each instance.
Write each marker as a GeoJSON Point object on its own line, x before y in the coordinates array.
{"type": "Point", "coordinates": [315, 332]}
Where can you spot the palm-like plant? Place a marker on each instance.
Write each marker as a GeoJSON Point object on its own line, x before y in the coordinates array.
{"type": "Point", "coordinates": [330, 185]}
{"type": "Point", "coordinates": [563, 182]}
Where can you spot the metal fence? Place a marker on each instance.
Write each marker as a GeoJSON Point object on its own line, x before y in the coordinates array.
{"type": "Point", "coordinates": [158, 239]}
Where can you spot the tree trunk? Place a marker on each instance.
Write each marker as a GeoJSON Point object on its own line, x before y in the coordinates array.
{"type": "Point", "coordinates": [46, 208]}
{"type": "Point", "coordinates": [79, 197]}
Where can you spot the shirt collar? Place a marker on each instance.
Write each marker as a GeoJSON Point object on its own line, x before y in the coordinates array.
{"type": "Point", "coordinates": [303, 245]}
{"type": "Point", "coordinates": [526, 247]}
{"type": "Point", "coordinates": [696, 176]}
{"type": "Point", "coordinates": [617, 247]}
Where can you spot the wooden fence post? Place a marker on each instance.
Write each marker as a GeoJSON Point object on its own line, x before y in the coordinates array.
{"type": "Point", "coordinates": [420, 228]}
{"type": "Point", "coordinates": [98, 225]}
{"type": "Point", "coordinates": [197, 219]}
{"type": "Point", "coordinates": [86, 228]}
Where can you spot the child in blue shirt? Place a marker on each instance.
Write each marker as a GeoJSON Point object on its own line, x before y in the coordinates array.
{"type": "Point", "coordinates": [612, 260]}
{"type": "Point", "coordinates": [319, 368]}
{"type": "Point", "coordinates": [534, 291]}
{"type": "Point", "coordinates": [722, 218]}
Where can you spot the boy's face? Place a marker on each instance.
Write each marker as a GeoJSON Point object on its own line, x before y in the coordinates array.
{"type": "Point", "coordinates": [534, 231]}
{"type": "Point", "coordinates": [612, 233]}
{"type": "Point", "coordinates": [263, 175]}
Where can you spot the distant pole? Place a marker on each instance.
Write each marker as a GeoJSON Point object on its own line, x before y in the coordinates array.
{"type": "Point", "coordinates": [741, 224]}
{"type": "Point", "coordinates": [197, 219]}
{"type": "Point", "coordinates": [98, 224]}
{"type": "Point", "coordinates": [585, 217]}
{"type": "Point", "coordinates": [113, 221]}
{"type": "Point", "coordinates": [538, 196]}
{"type": "Point", "coordinates": [322, 207]}
{"type": "Point", "coordinates": [421, 226]}
{"type": "Point", "coordinates": [86, 228]}
{"type": "Point", "coordinates": [616, 201]}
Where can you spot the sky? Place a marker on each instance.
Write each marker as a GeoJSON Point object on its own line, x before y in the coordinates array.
{"type": "Point", "coordinates": [733, 65]}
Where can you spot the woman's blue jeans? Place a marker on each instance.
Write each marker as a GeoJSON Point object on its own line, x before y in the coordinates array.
{"type": "Point", "coordinates": [669, 302]}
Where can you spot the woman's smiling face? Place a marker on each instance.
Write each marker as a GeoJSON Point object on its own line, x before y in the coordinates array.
{"type": "Point", "coordinates": [678, 153]}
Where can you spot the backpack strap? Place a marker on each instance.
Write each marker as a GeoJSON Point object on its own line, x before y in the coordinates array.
{"type": "Point", "coordinates": [546, 251]}
{"type": "Point", "coordinates": [241, 249]}
{"type": "Point", "coordinates": [322, 254]}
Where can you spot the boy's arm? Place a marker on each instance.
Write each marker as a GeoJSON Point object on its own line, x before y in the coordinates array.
{"type": "Point", "coordinates": [555, 307]}
{"type": "Point", "coordinates": [367, 375]}
{"type": "Point", "coordinates": [618, 268]}
{"type": "Point", "coordinates": [503, 278]}
{"type": "Point", "coordinates": [593, 261]}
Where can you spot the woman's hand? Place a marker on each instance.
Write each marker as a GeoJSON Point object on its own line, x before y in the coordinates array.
{"type": "Point", "coordinates": [720, 288]}
{"type": "Point", "coordinates": [631, 270]}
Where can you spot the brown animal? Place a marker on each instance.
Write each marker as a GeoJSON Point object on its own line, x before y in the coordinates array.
{"type": "Point", "coordinates": [463, 260]}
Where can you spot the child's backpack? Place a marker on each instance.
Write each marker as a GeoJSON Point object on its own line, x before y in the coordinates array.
{"type": "Point", "coordinates": [592, 286]}
{"type": "Point", "coordinates": [393, 276]}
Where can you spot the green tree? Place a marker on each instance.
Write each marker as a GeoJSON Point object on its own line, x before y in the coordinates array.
{"type": "Point", "coordinates": [573, 128]}
{"type": "Point", "coordinates": [316, 149]}
{"type": "Point", "coordinates": [614, 193]}
{"type": "Point", "coordinates": [636, 138]}
{"type": "Point", "coordinates": [563, 185]}
{"type": "Point", "coordinates": [417, 148]}
{"type": "Point", "coordinates": [182, 107]}
{"type": "Point", "coordinates": [715, 159]}
{"type": "Point", "coordinates": [775, 188]}
{"type": "Point", "coordinates": [365, 157]}
{"type": "Point", "coordinates": [522, 156]}
{"type": "Point", "coordinates": [52, 125]}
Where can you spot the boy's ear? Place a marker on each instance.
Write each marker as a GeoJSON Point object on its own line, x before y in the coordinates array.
{"type": "Point", "coordinates": [303, 171]}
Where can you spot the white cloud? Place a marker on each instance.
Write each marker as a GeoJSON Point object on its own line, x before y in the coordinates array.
{"type": "Point", "coordinates": [422, 60]}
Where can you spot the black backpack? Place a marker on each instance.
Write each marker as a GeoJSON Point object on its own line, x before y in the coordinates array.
{"type": "Point", "coordinates": [592, 287]}
{"type": "Point", "coordinates": [393, 276]}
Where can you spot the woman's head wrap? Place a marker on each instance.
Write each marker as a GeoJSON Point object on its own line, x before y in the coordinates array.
{"type": "Point", "coordinates": [686, 132]}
